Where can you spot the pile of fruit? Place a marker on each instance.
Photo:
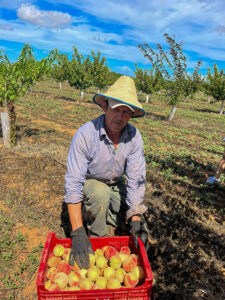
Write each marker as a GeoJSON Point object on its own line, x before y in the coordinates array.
{"type": "Point", "coordinates": [109, 269]}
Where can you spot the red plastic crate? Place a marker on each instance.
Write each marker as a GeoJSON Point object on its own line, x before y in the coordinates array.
{"type": "Point", "coordinates": [142, 292]}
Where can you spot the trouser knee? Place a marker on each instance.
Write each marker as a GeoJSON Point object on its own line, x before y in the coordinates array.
{"type": "Point", "coordinates": [96, 194]}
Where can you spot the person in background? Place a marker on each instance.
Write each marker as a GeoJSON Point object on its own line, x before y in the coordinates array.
{"type": "Point", "coordinates": [105, 178]}
{"type": "Point", "coordinates": [219, 170]}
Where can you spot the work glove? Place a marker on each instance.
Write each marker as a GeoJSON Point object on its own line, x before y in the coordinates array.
{"type": "Point", "coordinates": [137, 230]}
{"type": "Point", "coordinates": [81, 247]}
{"type": "Point", "coordinates": [212, 180]}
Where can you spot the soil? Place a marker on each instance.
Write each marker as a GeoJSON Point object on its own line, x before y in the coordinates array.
{"type": "Point", "coordinates": [187, 237]}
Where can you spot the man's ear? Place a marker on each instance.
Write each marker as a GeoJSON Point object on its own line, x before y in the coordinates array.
{"type": "Point", "coordinates": [104, 106]}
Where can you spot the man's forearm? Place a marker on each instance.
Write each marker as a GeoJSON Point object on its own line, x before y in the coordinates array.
{"type": "Point", "coordinates": [75, 215]}
{"type": "Point", "coordinates": [136, 218]}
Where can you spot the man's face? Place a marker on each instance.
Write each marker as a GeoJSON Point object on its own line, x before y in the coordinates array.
{"type": "Point", "coordinates": [116, 119]}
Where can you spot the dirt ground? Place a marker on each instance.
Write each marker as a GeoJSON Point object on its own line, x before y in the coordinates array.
{"type": "Point", "coordinates": [185, 218]}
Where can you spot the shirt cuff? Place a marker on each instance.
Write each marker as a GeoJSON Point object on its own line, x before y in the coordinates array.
{"type": "Point", "coordinates": [136, 210]}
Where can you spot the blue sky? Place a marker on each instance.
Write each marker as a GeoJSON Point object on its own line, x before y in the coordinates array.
{"type": "Point", "coordinates": [115, 28]}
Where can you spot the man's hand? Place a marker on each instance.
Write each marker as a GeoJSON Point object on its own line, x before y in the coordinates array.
{"type": "Point", "coordinates": [137, 230]}
{"type": "Point", "coordinates": [81, 247]}
{"type": "Point", "coordinates": [212, 180]}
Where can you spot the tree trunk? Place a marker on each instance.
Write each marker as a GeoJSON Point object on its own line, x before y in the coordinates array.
{"type": "Point", "coordinates": [185, 99]}
{"type": "Point", "coordinates": [5, 128]}
{"type": "Point", "coordinates": [147, 98]}
{"type": "Point", "coordinates": [172, 113]}
{"type": "Point", "coordinates": [139, 93]}
{"type": "Point", "coordinates": [209, 99]}
{"type": "Point", "coordinates": [222, 107]}
{"type": "Point", "coordinates": [31, 89]}
{"type": "Point", "coordinates": [81, 95]}
{"type": "Point", "coordinates": [60, 85]}
{"type": "Point", "coordinates": [98, 91]}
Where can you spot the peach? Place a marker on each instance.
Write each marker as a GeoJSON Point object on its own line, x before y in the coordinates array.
{"type": "Point", "coordinates": [110, 251]}
{"type": "Point", "coordinates": [66, 254]}
{"type": "Point", "coordinates": [109, 272]}
{"type": "Point", "coordinates": [53, 261]}
{"type": "Point", "coordinates": [115, 262]}
{"type": "Point", "coordinates": [129, 264]}
{"type": "Point", "coordinates": [125, 250]}
{"type": "Point", "coordinates": [92, 259]}
{"type": "Point", "coordinates": [101, 261]}
{"type": "Point", "coordinates": [58, 250]}
{"type": "Point", "coordinates": [51, 273]}
{"type": "Point", "coordinates": [120, 273]}
{"type": "Point", "coordinates": [130, 279]}
{"type": "Point", "coordinates": [104, 248]}
{"type": "Point", "coordinates": [98, 252]}
{"type": "Point", "coordinates": [123, 256]}
{"type": "Point", "coordinates": [74, 278]}
{"type": "Point", "coordinates": [64, 267]}
{"type": "Point", "coordinates": [61, 279]}
{"type": "Point", "coordinates": [101, 282]}
{"type": "Point", "coordinates": [93, 273]}
{"type": "Point", "coordinates": [83, 273]}
{"type": "Point", "coordinates": [140, 273]}
{"type": "Point", "coordinates": [113, 283]}
{"type": "Point", "coordinates": [134, 258]}
{"type": "Point", "coordinates": [85, 284]}
{"type": "Point", "coordinates": [51, 286]}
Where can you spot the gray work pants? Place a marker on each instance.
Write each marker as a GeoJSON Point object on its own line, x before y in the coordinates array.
{"type": "Point", "coordinates": [104, 205]}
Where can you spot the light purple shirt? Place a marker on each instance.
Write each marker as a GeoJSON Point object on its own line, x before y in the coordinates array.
{"type": "Point", "coordinates": [92, 155]}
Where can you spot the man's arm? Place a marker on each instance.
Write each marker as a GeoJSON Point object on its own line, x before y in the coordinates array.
{"type": "Point", "coordinates": [75, 215]}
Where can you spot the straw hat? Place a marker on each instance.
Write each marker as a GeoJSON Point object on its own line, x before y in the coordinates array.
{"type": "Point", "coordinates": [122, 90]}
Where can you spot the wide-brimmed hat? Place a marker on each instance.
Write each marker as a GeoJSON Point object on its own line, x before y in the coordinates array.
{"type": "Point", "coordinates": [122, 90]}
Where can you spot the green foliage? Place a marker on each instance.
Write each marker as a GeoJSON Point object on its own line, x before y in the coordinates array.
{"type": "Point", "coordinates": [60, 69]}
{"type": "Point", "coordinates": [99, 70]}
{"type": "Point", "coordinates": [172, 64]}
{"type": "Point", "coordinates": [80, 71]}
{"type": "Point", "coordinates": [17, 77]}
{"type": "Point", "coordinates": [215, 83]}
{"type": "Point", "coordinates": [194, 83]}
{"type": "Point", "coordinates": [148, 81]}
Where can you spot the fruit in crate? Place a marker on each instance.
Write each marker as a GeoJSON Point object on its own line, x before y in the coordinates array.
{"type": "Point", "coordinates": [110, 268]}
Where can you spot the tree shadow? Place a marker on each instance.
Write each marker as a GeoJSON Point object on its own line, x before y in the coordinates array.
{"type": "Point", "coordinates": [206, 110]}
{"type": "Point", "coordinates": [182, 253]}
{"type": "Point", "coordinates": [186, 249]}
{"type": "Point", "coordinates": [156, 117]}
{"type": "Point", "coordinates": [187, 168]}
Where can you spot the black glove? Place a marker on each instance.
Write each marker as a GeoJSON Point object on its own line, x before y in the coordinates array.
{"type": "Point", "coordinates": [137, 230]}
{"type": "Point", "coordinates": [81, 247]}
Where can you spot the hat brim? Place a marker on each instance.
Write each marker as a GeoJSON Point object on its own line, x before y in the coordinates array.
{"type": "Point", "coordinates": [100, 98]}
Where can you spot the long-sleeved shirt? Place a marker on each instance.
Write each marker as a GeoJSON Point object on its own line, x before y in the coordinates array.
{"type": "Point", "coordinates": [92, 155]}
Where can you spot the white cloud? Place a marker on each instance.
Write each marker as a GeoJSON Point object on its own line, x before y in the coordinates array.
{"type": "Point", "coordinates": [198, 23]}
{"type": "Point", "coordinates": [49, 19]}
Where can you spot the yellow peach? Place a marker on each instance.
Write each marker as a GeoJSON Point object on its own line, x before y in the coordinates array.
{"type": "Point", "coordinates": [58, 250]}
{"type": "Point", "coordinates": [115, 262]}
{"type": "Point", "coordinates": [101, 261]}
{"type": "Point", "coordinates": [113, 283]}
{"type": "Point", "coordinates": [101, 282]}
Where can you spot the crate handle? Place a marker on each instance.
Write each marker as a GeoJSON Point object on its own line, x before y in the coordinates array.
{"type": "Point", "coordinates": [44, 259]}
{"type": "Point", "coordinates": [149, 275]}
